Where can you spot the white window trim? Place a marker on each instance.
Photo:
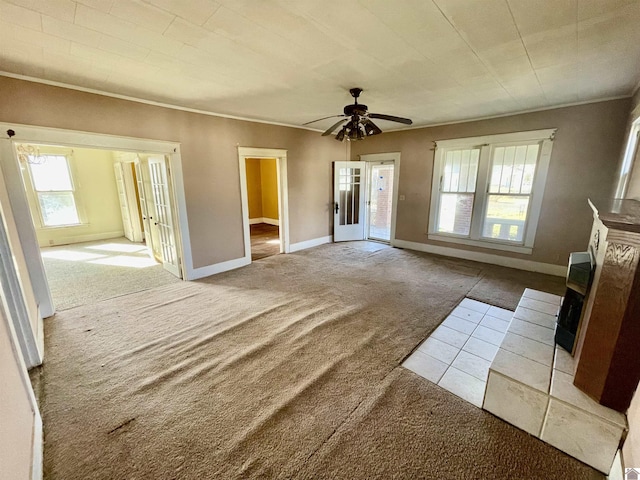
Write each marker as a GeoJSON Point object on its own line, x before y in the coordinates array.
{"type": "Point", "coordinates": [487, 143]}
{"type": "Point", "coordinates": [627, 162]}
{"type": "Point", "coordinates": [33, 193]}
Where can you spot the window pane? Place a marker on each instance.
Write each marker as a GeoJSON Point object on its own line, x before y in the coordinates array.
{"type": "Point", "coordinates": [50, 173]}
{"type": "Point", "coordinates": [58, 208]}
{"type": "Point", "coordinates": [506, 217]}
{"type": "Point", "coordinates": [529, 168]}
{"type": "Point", "coordinates": [460, 170]}
{"type": "Point", "coordinates": [513, 169]}
{"type": "Point", "coordinates": [455, 213]}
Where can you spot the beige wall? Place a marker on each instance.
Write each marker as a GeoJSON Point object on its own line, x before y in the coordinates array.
{"type": "Point", "coordinates": [254, 187]}
{"type": "Point", "coordinates": [583, 164]}
{"type": "Point", "coordinates": [16, 414]}
{"type": "Point", "coordinates": [269, 180]}
{"type": "Point", "coordinates": [96, 196]}
{"type": "Point", "coordinates": [209, 156]}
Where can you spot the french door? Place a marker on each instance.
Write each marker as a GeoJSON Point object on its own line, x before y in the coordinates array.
{"type": "Point", "coordinates": [125, 208]}
{"type": "Point", "coordinates": [159, 175]}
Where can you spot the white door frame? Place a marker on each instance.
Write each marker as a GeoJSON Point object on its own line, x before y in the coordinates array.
{"type": "Point", "coordinates": [56, 136]}
{"type": "Point", "coordinates": [385, 157]}
{"type": "Point", "coordinates": [283, 195]}
{"type": "Point", "coordinates": [37, 438]}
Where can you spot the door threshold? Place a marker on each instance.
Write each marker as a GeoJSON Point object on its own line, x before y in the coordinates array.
{"type": "Point", "coordinates": [385, 242]}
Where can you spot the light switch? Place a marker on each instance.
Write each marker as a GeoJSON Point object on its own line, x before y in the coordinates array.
{"type": "Point", "coordinates": [401, 197]}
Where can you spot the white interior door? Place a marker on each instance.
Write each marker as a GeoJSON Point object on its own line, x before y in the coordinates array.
{"type": "Point", "coordinates": [348, 197]}
{"type": "Point", "coordinates": [164, 217]}
{"type": "Point", "coordinates": [125, 209]}
{"type": "Point", "coordinates": [132, 198]}
{"type": "Point", "coordinates": [143, 206]}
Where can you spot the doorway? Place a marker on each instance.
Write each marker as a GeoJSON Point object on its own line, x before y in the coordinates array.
{"type": "Point", "coordinates": [262, 196]}
{"type": "Point", "coordinates": [84, 205]}
{"type": "Point", "coordinates": [170, 151]}
{"type": "Point", "coordinates": [365, 198]}
{"type": "Point", "coordinates": [263, 189]}
{"type": "Point", "coordinates": [380, 201]}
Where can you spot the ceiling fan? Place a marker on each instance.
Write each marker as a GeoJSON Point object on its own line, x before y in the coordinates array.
{"type": "Point", "coordinates": [356, 121]}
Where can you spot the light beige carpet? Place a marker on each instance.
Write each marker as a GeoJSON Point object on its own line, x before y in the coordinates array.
{"type": "Point", "coordinates": [288, 368]}
{"type": "Point", "coordinates": [84, 273]}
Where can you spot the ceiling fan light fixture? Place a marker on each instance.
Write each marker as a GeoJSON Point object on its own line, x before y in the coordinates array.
{"type": "Point", "coordinates": [359, 124]}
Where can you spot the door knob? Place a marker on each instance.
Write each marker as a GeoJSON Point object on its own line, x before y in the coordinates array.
{"type": "Point", "coordinates": [337, 207]}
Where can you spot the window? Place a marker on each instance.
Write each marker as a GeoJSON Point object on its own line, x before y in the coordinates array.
{"type": "Point", "coordinates": [487, 191]}
{"type": "Point", "coordinates": [53, 186]}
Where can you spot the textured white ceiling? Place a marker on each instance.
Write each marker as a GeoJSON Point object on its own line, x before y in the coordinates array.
{"type": "Point", "coordinates": [292, 61]}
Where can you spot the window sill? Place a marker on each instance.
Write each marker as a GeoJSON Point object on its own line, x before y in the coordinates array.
{"type": "Point", "coordinates": [481, 243]}
{"type": "Point", "coordinates": [71, 225]}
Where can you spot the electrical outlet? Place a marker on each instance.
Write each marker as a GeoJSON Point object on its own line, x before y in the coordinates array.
{"type": "Point", "coordinates": [401, 198]}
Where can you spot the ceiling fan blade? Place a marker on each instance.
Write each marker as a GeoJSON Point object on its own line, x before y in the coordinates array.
{"type": "Point", "coordinates": [323, 118]}
{"type": "Point", "coordinates": [330, 130]}
{"type": "Point", "coordinates": [391, 118]}
{"type": "Point", "coordinates": [370, 127]}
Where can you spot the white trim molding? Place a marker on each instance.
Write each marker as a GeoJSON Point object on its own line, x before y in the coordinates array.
{"type": "Point", "coordinates": [387, 157]}
{"type": "Point", "coordinates": [90, 237]}
{"type": "Point", "coordinates": [626, 165]}
{"type": "Point", "coordinates": [520, 264]}
{"type": "Point", "coordinates": [171, 106]}
{"type": "Point", "coordinates": [283, 195]}
{"type": "Point", "coordinates": [314, 242]}
{"type": "Point", "coordinates": [37, 447]}
{"type": "Point", "coordinates": [268, 221]}
{"type": "Point", "coordinates": [209, 270]}
{"type": "Point", "coordinates": [485, 147]}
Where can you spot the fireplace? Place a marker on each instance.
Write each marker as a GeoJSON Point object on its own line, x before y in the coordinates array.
{"type": "Point", "coordinates": [579, 275]}
{"type": "Point", "coordinates": [606, 349]}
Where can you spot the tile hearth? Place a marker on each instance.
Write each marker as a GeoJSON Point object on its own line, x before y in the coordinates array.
{"type": "Point", "coordinates": [458, 354]}
{"type": "Point", "coordinates": [508, 364]}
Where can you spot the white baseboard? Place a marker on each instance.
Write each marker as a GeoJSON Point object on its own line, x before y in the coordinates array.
{"type": "Point", "coordinates": [528, 265]}
{"type": "Point", "coordinates": [40, 335]}
{"type": "Point", "coordinates": [37, 447]}
{"type": "Point", "coordinates": [91, 237]}
{"type": "Point", "coordinates": [269, 221]}
{"type": "Point", "coordinates": [209, 270]}
{"type": "Point", "coordinates": [295, 247]}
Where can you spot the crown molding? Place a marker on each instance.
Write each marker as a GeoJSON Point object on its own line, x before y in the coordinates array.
{"type": "Point", "coordinates": [281, 124]}
{"type": "Point", "coordinates": [149, 102]}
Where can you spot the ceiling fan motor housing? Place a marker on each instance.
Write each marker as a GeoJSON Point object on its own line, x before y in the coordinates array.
{"type": "Point", "coordinates": [355, 109]}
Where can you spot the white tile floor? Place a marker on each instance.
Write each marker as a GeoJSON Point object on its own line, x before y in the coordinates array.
{"type": "Point", "coordinates": [458, 354]}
